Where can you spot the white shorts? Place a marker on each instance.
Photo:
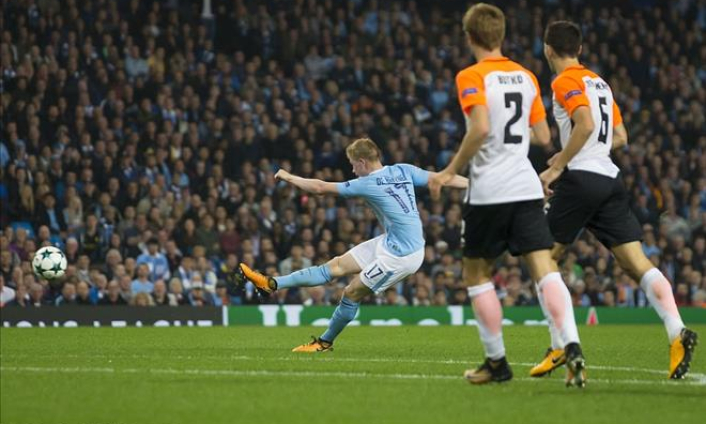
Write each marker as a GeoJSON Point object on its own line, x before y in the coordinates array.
{"type": "Point", "coordinates": [380, 268]}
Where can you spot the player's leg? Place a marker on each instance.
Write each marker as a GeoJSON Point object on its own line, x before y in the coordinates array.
{"type": "Point", "coordinates": [347, 264]}
{"type": "Point", "coordinates": [383, 271]}
{"type": "Point", "coordinates": [558, 304]}
{"type": "Point", "coordinates": [617, 228]}
{"type": "Point", "coordinates": [484, 238]}
{"type": "Point", "coordinates": [318, 275]}
{"type": "Point", "coordinates": [554, 356]}
{"type": "Point", "coordinates": [658, 290]}
{"type": "Point", "coordinates": [632, 260]}
{"type": "Point", "coordinates": [558, 250]}
{"type": "Point", "coordinates": [555, 295]}
{"type": "Point", "coordinates": [477, 274]}
{"type": "Point", "coordinates": [567, 212]}
{"type": "Point", "coordinates": [530, 236]}
{"type": "Point", "coordinates": [345, 313]}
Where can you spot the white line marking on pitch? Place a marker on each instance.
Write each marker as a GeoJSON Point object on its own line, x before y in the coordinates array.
{"type": "Point", "coordinates": [311, 374]}
{"type": "Point", "coordinates": [370, 360]}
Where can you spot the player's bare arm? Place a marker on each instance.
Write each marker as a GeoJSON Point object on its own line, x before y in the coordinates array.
{"type": "Point", "coordinates": [540, 135]}
{"type": "Point", "coordinates": [620, 137]}
{"type": "Point", "coordinates": [471, 144]}
{"type": "Point", "coordinates": [458, 181]}
{"type": "Point", "coordinates": [583, 128]}
{"type": "Point", "coordinates": [310, 185]}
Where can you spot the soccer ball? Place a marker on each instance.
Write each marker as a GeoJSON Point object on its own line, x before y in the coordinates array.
{"type": "Point", "coordinates": [49, 263]}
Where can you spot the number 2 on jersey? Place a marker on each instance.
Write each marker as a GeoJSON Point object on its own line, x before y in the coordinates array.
{"type": "Point", "coordinates": [515, 98]}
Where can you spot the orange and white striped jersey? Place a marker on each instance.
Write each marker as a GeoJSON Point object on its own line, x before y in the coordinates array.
{"type": "Point", "coordinates": [501, 171]}
{"type": "Point", "coordinates": [577, 86]}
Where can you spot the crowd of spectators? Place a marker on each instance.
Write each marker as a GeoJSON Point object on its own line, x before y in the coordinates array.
{"type": "Point", "coordinates": [142, 137]}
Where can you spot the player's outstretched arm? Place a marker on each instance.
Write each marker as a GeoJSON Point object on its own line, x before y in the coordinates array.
{"type": "Point", "coordinates": [583, 128]}
{"type": "Point", "coordinates": [457, 181]}
{"type": "Point", "coordinates": [310, 185]}
{"type": "Point", "coordinates": [471, 144]}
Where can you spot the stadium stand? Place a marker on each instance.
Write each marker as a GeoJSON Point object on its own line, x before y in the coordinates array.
{"type": "Point", "coordinates": [140, 132]}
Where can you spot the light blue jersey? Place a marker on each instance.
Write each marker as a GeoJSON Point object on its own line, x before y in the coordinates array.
{"type": "Point", "coordinates": [390, 193]}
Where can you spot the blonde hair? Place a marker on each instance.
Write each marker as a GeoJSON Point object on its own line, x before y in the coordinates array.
{"type": "Point", "coordinates": [364, 148]}
{"type": "Point", "coordinates": [142, 299]}
{"type": "Point", "coordinates": [485, 25]}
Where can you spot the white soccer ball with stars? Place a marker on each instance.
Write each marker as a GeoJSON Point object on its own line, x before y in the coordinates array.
{"type": "Point", "coordinates": [49, 263]}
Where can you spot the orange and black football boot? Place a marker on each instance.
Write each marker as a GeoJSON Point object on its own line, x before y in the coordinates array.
{"type": "Point", "coordinates": [264, 284]}
{"type": "Point", "coordinates": [553, 359]}
{"type": "Point", "coordinates": [489, 371]}
{"type": "Point", "coordinates": [315, 345]}
{"type": "Point", "coordinates": [681, 352]}
{"type": "Point", "coordinates": [575, 366]}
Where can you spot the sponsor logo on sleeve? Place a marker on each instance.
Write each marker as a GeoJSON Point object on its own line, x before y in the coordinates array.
{"type": "Point", "coordinates": [468, 91]}
{"type": "Point", "coordinates": [571, 94]}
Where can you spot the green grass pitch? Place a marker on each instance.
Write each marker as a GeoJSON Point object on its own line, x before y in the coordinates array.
{"type": "Point", "coordinates": [375, 375]}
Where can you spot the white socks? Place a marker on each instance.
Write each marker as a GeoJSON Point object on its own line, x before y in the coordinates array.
{"type": "Point", "coordinates": [653, 283]}
{"type": "Point", "coordinates": [489, 314]}
{"type": "Point", "coordinates": [659, 293]}
{"type": "Point", "coordinates": [556, 304]}
{"type": "Point", "coordinates": [553, 331]}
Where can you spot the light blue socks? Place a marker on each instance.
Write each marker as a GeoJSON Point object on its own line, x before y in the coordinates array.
{"type": "Point", "coordinates": [344, 313]}
{"type": "Point", "coordinates": [307, 277]}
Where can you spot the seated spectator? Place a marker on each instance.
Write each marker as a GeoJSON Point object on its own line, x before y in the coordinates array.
{"type": "Point", "coordinates": [186, 272]}
{"type": "Point", "coordinates": [83, 294]}
{"type": "Point", "coordinates": [161, 297]}
{"type": "Point", "coordinates": [112, 296]}
{"type": "Point", "coordinates": [125, 283]}
{"type": "Point", "coordinates": [460, 297]}
{"type": "Point", "coordinates": [198, 296]}
{"type": "Point", "coordinates": [142, 283]}
{"type": "Point", "coordinates": [176, 288]}
{"type": "Point", "coordinates": [392, 298]}
{"type": "Point", "coordinates": [99, 288]}
{"type": "Point", "coordinates": [314, 296]}
{"type": "Point", "coordinates": [294, 262]}
{"type": "Point", "coordinates": [221, 297]}
{"type": "Point", "coordinates": [439, 299]}
{"type": "Point", "coordinates": [142, 299]}
{"type": "Point", "coordinates": [7, 294]}
{"type": "Point", "coordinates": [22, 298]}
{"type": "Point", "coordinates": [421, 296]}
{"type": "Point", "coordinates": [49, 214]}
{"type": "Point", "coordinates": [206, 274]}
{"type": "Point", "coordinates": [135, 65]}
{"type": "Point", "coordinates": [68, 295]}
{"type": "Point", "coordinates": [155, 260]}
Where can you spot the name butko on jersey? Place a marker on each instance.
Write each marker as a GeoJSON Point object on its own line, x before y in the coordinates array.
{"type": "Point", "coordinates": [577, 86]}
{"type": "Point", "coordinates": [501, 172]}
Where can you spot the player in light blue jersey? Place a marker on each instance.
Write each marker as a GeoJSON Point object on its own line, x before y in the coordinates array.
{"type": "Point", "coordinates": [380, 262]}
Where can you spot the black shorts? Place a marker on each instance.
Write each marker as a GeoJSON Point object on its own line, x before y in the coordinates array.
{"type": "Point", "coordinates": [597, 202]}
{"type": "Point", "coordinates": [519, 227]}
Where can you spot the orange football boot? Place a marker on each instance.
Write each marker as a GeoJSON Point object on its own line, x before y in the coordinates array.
{"type": "Point", "coordinates": [681, 352]}
{"type": "Point", "coordinates": [265, 284]}
{"type": "Point", "coordinates": [552, 360]}
{"type": "Point", "coordinates": [315, 345]}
